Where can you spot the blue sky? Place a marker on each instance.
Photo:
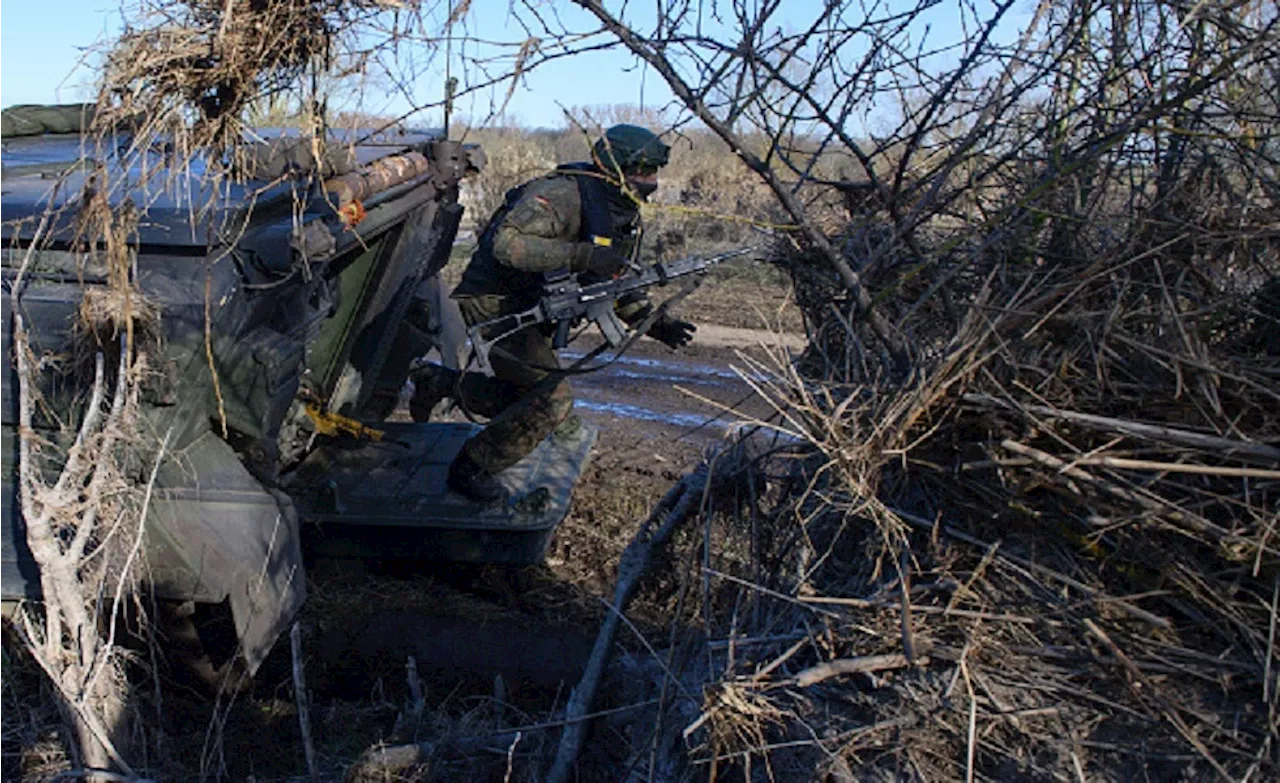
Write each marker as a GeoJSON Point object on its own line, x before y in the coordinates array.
{"type": "Point", "coordinates": [43, 44]}
{"type": "Point", "coordinates": [41, 56]}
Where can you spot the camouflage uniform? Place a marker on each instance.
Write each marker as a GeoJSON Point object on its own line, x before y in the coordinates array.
{"type": "Point", "coordinates": [540, 229]}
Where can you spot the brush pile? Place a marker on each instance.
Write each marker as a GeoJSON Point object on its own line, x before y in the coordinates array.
{"type": "Point", "coordinates": [193, 70]}
{"type": "Point", "coordinates": [1053, 551]}
{"type": "Point", "coordinates": [1048, 548]}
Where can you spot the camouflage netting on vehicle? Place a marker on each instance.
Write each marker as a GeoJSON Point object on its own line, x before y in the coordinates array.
{"type": "Point", "coordinates": [34, 120]}
{"type": "Point", "coordinates": [271, 159]}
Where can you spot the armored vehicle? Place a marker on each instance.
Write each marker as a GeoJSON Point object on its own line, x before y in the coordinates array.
{"type": "Point", "coordinates": [286, 321]}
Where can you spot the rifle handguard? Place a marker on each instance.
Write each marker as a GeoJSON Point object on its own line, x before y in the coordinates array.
{"type": "Point", "coordinates": [565, 300]}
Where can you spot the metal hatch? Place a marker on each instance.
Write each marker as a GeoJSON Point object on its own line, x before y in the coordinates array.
{"type": "Point", "coordinates": [388, 498]}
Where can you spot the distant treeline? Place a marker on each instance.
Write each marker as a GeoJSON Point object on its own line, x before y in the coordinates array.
{"type": "Point", "coordinates": [705, 197]}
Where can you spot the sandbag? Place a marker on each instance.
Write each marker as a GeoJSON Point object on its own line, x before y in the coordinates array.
{"type": "Point", "coordinates": [278, 158]}
{"type": "Point", "coordinates": [36, 119]}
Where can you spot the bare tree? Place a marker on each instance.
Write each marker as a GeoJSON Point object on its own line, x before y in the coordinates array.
{"type": "Point", "coordinates": [927, 111]}
{"type": "Point", "coordinates": [1070, 207]}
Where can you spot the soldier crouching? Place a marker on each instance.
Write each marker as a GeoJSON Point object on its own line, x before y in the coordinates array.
{"type": "Point", "coordinates": [582, 218]}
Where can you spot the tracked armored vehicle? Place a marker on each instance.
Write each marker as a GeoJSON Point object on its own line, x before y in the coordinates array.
{"type": "Point", "coordinates": [286, 322]}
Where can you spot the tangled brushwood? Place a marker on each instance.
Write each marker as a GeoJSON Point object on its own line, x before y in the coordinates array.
{"type": "Point", "coordinates": [190, 70]}
{"type": "Point", "coordinates": [83, 482]}
{"type": "Point", "coordinates": [1047, 546]}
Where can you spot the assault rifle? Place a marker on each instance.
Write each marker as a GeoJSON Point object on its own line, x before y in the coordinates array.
{"type": "Point", "coordinates": [566, 301]}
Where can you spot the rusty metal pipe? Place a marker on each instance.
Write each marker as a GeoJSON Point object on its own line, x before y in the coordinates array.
{"type": "Point", "coordinates": [376, 177]}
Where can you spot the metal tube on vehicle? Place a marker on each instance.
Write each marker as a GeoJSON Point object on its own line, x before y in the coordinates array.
{"type": "Point", "coordinates": [376, 177]}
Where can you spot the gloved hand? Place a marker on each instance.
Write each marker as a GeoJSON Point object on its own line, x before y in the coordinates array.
{"type": "Point", "coordinates": [672, 332]}
{"type": "Point", "coordinates": [604, 261]}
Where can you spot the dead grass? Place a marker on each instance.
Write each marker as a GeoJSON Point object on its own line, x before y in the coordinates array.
{"type": "Point", "coordinates": [32, 746]}
{"type": "Point", "coordinates": [174, 91]}
{"type": "Point", "coordinates": [1044, 550]}
{"type": "Point", "coordinates": [1042, 546]}
{"type": "Point", "coordinates": [750, 295]}
{"type": "Point", "coordinates": [1059, 527]}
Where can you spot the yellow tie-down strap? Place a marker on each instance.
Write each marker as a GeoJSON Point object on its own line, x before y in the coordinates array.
{"type": "Point", "coordinates": [334, 424]}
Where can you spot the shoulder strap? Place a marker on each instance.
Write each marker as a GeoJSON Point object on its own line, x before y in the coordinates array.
{"type": "Point", "coordinates": [596, 220]}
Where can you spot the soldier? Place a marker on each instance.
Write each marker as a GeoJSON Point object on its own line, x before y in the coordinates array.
{"type": "Point", "coordinates": [584, 218]}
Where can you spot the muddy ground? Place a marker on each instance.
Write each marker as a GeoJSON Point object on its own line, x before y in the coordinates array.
{"type": "Point", "coordinates": [493, 647]}
{"type": "Point", "coordinates": [658, 412]}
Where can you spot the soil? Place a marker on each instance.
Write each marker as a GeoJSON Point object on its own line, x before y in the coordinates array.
{"type": "Point", "coordinates": [658, 411]}
{"type": "Point", "coordinates": [490, 644]}
{"type": "Point", "coordinates": [744, 296]}
{"type": "Point", "coordinates": [468, 627]}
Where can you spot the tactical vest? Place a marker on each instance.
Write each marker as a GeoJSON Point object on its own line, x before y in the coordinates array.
{"type": "Point", "coordinates": [486, 275]}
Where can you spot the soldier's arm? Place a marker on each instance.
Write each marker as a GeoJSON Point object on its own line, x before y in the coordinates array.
{"type": "Point", "coordinates": [634, 307]}
{"type": "Point", "coordinates": [540, 233]}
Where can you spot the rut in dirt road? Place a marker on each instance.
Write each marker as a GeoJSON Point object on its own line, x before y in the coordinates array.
{"type": "Point", "coordinates": [642, 391]}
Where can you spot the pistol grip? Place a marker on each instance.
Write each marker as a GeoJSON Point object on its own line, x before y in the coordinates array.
{"type": "Point", "coordinates": [562, 334]}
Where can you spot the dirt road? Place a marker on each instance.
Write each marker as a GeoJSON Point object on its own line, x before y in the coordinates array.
{"type": "Point", "coordinates": [663, 394]}
{"type": "Point", "coordinates": [673, 404]}
{"type": "Point", "coordinates": [658, 411]}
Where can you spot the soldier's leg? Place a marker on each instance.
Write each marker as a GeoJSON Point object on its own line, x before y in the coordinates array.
{"type": "Point", "coordinates": [478, 394]}
{"type": "Point", "coordinates": [526, 404]}
{"type": "Point", "coordinates": [544, 404]}
{"type": "Point", "coordinates": [514, 432]}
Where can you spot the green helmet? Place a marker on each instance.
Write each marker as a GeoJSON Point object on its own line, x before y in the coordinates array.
{"type": "Point", "coordinates": [632, 149]}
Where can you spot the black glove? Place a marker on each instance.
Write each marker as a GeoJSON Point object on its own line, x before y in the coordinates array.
{"type": "Point", "coordinates": [603, 261]}
{"type": "Point", "coordinates": [672, 332]}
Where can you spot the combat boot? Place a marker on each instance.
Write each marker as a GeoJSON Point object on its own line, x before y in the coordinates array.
{"type": "Point", "coordinates": [431, 384]}
{"type": "Point", "coordinates": [472, 481]}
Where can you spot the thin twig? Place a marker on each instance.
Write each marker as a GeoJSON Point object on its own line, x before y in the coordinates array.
{"type": "Point", "coordinates": [300, 698]}
{"type": "Point", "coordinates": [867, 664]}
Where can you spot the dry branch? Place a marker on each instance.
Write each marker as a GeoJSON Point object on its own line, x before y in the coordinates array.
{"type": "Point", "coordinates": [1225, 447]}
{"type": "Point", "coordinates": [302, 699]}
{"type": "Point", "coordinates": [175, 92]}
{"type": "Point", "coordinates": [680, 503]}
{"type": "Point", "coordinates": [71, 648]}
{"type": "Point", "coordinates": [893, 341]}
{"type": "Point", "coordinates": [1072, 233]}
{"type": "Point", "coordinates": [865, 665]}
